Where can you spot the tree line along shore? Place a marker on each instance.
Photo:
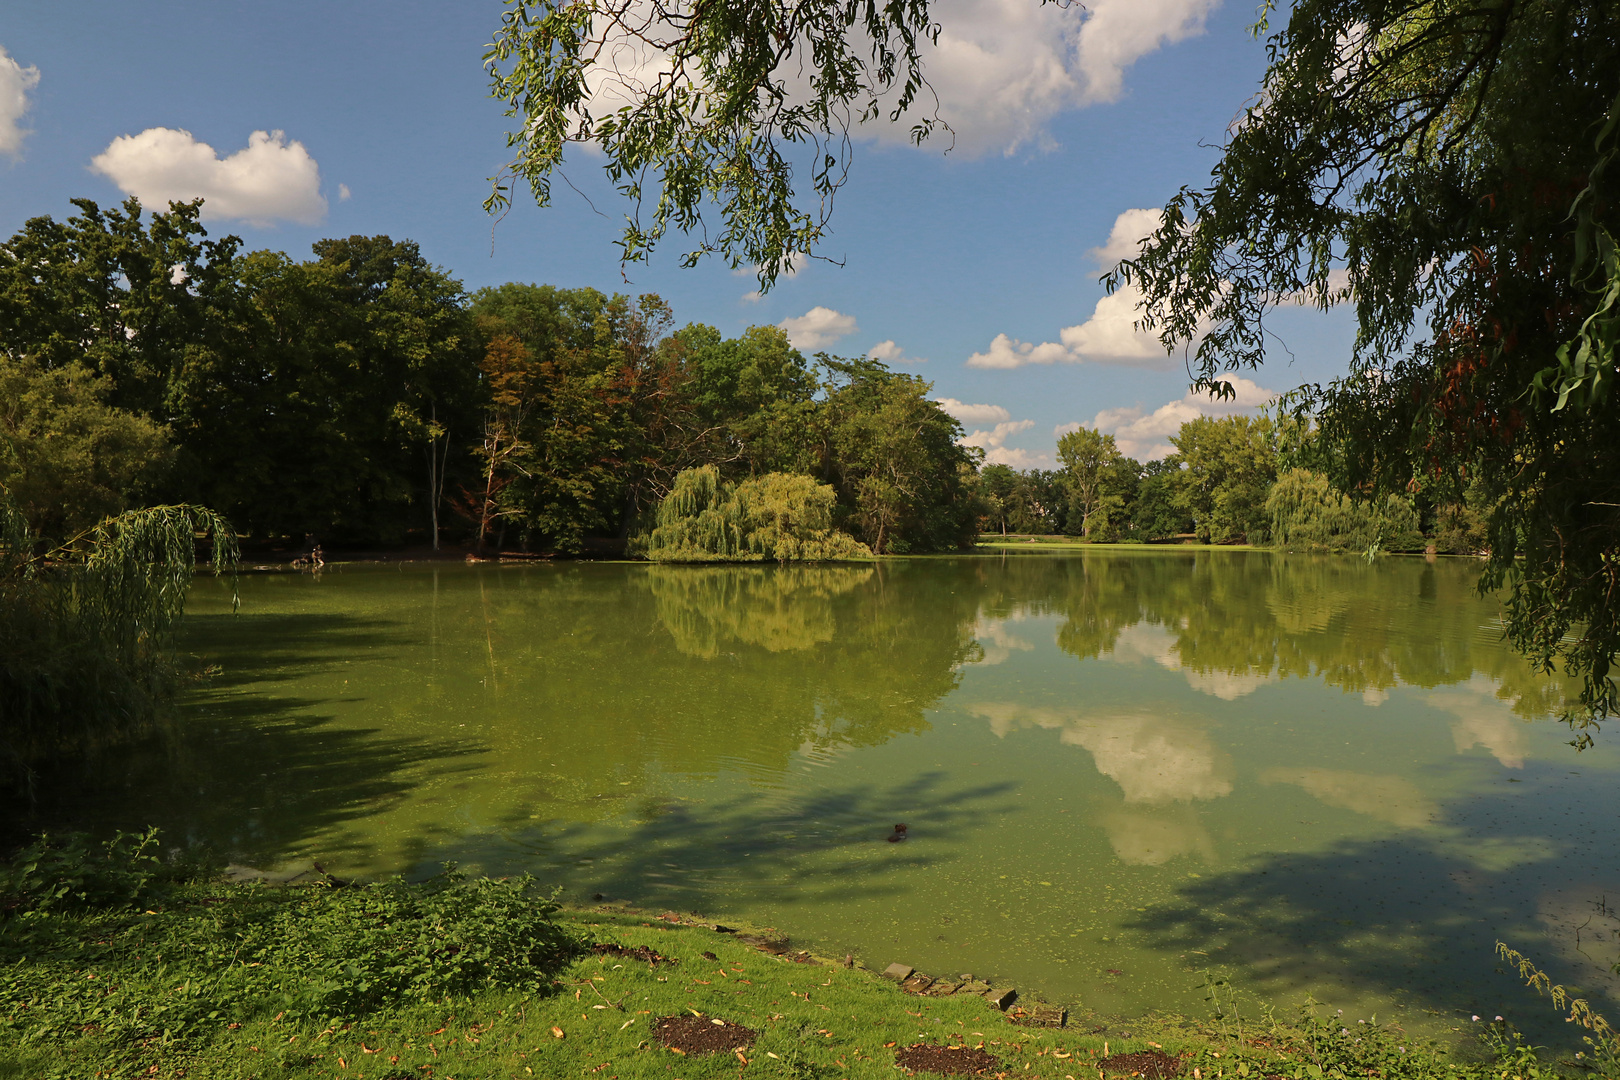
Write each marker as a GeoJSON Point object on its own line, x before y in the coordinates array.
{"type": "Point", "coordinates": [364, 399]}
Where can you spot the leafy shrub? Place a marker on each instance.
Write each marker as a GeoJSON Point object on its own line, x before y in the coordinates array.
{"type": "Point", "coordinates": [56, 875]}
{"type": "Point", "coordinates": [84, 961]}
{"type": "Point", "coordinates": [348, 951]}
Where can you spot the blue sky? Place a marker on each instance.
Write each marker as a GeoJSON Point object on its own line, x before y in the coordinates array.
{"type": "Point", "coordinates": [966, 268]}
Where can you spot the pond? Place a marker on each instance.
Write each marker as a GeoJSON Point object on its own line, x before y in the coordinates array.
{"type": "Point", "coordinates": [1124, 774]}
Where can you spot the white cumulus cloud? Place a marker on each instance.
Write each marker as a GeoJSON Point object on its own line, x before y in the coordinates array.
{"type": "Point", "coordinates": [1125, 238]}
{"type": "Point", "coordinates": [973, 414]}
{"type": "Point", "coordinates": [1145, 436]}
{"type": "Point", "coordinates": [1001, 70]}
{"type": "Point", "coordinates": [888, 352]}
{"type": "Point", "coordinates": [269, 180]}
{"type": "Point", "coordinates": [994, 443]}
{"type": "Point", "coordinates": [15, 82]}
{"type": "Point", "coordinates": [1004, 68]}
{"type": "Point", "coordinates": [1008, 352]}
{"type": "Point", "coordinates": [818, 328]}
{"type": "Point", "coordinates": [1110, 336]}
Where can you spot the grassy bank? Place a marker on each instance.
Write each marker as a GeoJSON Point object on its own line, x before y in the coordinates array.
{"type": "Point", "coordinates": [115, 967]}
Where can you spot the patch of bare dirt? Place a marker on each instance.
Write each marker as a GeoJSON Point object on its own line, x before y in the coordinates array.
{"type": "Point", "coordinates": [1148, 1064]}
{"type": "Point", "coordinates": [931, 1057]}
{"type": "Point", "coordinates": [703, 1035]}
{"type": "Point", "coordinates": [640, 952]}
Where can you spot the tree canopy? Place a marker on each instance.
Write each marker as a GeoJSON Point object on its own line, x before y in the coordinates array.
{"type": "Point", "coordinates": [1446, 167]}
{"type": "Point", "coordinates": [697, 103]}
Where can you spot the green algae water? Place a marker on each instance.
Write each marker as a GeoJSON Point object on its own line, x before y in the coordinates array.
{"type": "Point", "coordinates": [1124, 774]}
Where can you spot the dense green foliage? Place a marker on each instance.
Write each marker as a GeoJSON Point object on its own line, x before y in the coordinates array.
{"type": "Point", "coordinates": [67, 457]}
{"type": "Point", "coordinates": [358, 396]}
{"type": "Point", "coordinates": [1447, 166]}
{"type": "Point", "coordinates": [597, 407]}
{"type": "Point", "coordinates": [87, 629]}
{"type": "Point", "coordinates": [1228, 464]}
{"type": "Point", "coordinates": [1308, 514]}
{"type": "Point", "coordinates": [114, 943]}
{"type": "Point", "coordinates": [1232, 480]}
{"type": "Point", "coordinates": [1101, 480]}
{"type": "Point", "coordinates": [777, 516]}
{"type": "Point", "coordinates": [298, 397]}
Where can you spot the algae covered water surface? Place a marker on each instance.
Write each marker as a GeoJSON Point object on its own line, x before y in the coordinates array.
{"type": "Point", "coordinates": [1124, 775]}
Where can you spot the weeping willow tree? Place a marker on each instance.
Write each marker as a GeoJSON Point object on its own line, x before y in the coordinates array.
{"type": "Point", "coordinates": [87, 628]}
{"type": "Point", "coordinates": [1308, 514]}
{"type": "Point", "coordinates": [777, 516]}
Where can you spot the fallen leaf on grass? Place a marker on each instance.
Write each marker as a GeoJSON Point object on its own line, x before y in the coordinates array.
{"type": "Point", "coordinates": [556, 1032]}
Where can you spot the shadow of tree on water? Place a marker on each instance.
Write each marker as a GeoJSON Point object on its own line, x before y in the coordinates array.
{"type": "Point", "coordinates": [756, 847]}
{"type": "Point", "coordinates": [276, 647]}
{"type": "Point", "coordinates": [245, 774]}
{"type": "Point", "coordinates": [1401, 919]}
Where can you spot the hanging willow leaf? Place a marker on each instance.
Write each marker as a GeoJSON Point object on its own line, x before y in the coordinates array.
{"type": "Point", "coordinates": [693, 103]}
{"type": "Point", "coordinates": [1446, 168]}
{"type": "Point", "coordinates": [87, 630]}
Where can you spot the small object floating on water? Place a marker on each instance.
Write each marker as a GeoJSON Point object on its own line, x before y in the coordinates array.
{"type": "Point", "coordinates": [898, 835]}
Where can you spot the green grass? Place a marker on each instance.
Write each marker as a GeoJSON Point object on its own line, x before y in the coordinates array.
{"type": "Point", "coordinates": [126, 975]}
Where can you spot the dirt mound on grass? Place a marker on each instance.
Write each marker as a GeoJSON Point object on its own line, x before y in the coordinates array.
{"type": "Point", "coordinates": [702, 1035]}
{"type": "Point", "coordinates": [931, 1057]}
{"type": "Point", "coordinates": [1148, 1064]}
{"type": "Point", "coordinates": [640, 952]}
